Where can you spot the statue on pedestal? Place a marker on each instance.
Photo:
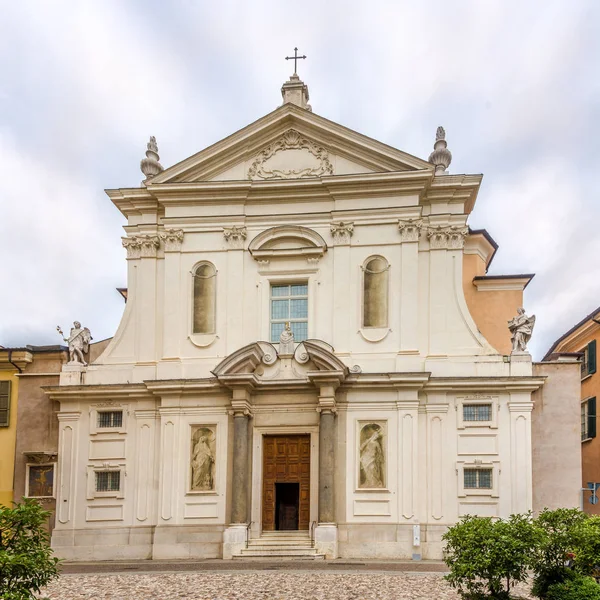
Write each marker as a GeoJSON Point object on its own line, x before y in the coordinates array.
{"type": "Point", "coordinates": [79, 343]}
{"type": "Point", "coordinates": [521, 328]}
{"type": "Point", "coordinates": [286, 341]}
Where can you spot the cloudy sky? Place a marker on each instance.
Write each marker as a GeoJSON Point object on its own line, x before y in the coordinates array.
{"type": "Point", "coordinates": [83, 84]}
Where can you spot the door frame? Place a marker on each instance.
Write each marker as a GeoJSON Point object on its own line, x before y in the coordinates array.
{"type": "Point", "coordinates": [257, 469]}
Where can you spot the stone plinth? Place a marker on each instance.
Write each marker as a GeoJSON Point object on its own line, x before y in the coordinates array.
{"type": "Point", "coordinates": [72, 374]}
{"type": "Point", "coordinates": [520, 364]}
{"type": "Point", "coordinates": [326, 540]}
{"type": "Point", "coordinates": [234, 540]}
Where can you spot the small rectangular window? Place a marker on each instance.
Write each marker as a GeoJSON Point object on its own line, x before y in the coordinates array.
{"type": "Point", "coordinates": [478, 479]}
{"type": "Point", "coordinates": [477, 412]}
{"type": "Point", "coordinates": [588, 362]}
{"type": "Point", "coordinates": [4, 403]}
{"type": "Point", "coordinates": [108, 481]}
{"type": "Point", "coordinates": [588, 419]}
{"type": "Point", "coordinates": [110, 418]}
{"type": "Point", "coordinates": [289, 304]}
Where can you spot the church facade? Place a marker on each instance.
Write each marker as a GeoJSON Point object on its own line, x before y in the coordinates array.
{"type": "Point", "coordinates": [298, 370]}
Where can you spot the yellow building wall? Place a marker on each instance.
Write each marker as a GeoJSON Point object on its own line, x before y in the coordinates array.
{"type": "Point", "coordinates": [8, 436]}
{"type": "Point", "coordinates": [491, 310]}
{"type": "Point", "coordinates": [590, 387]}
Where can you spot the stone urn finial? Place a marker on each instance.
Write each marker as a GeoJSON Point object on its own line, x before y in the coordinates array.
{"type": "Point", "coordinates": [150, 166]}
{"type": "Point", "coordinates": [441, 157]}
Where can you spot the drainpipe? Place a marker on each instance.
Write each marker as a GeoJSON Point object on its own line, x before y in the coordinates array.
{"type": "Point", "coordinates": [12, 363]}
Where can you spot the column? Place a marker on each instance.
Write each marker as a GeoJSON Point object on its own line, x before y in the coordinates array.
{"type": "Point", "coordinates": [326, 533]}
{"type": "Point", "coordinates": [326, 465]}
{"type": "Point", "coordinates": [234, 537]}
{"type": "Point", "coordinates": [239, 484]}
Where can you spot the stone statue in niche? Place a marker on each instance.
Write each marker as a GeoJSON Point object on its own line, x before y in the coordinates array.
{"type": "Point", "coordinates": [286, 341]}
{"type": "Point", "coordinates": [521, 328]}
{"type": "Point", "coordinates": [203, 459]}
{"type": "Point", "coordinates": [79, 343]}
{"type": "Point", "coordinates": [372, 456]}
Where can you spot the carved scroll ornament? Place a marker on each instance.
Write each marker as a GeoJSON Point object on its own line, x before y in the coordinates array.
{"type": "Point", "coordinates": [291, 140]}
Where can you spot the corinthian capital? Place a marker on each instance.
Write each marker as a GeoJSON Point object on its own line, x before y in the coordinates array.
{"type": "Point", "coordinates": [342, 232]}
{"type": "Point", "coordinates": [410, 229]}
{"type": "Point", "coordinates": [235, 235]}
{"type": "Point", "coordinates": [172, 239]}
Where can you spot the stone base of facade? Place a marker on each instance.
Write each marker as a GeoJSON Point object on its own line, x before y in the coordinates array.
{"type": "Point", "coordinates": [326, 540]}
{"type": "Point", "coordinates": [138, 543]}
{"type": "Point", "coordinates": [393, 541]}
{"type": "Point", "coordinates": [356, 541]}
{"type": "Point", "coordinates": [234, 539]}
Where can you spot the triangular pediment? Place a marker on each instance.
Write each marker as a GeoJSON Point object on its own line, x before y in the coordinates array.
{"type": "Point", "coordinates": [290, 143]}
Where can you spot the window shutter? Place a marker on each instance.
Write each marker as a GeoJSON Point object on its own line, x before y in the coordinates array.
{"type": "Point", "coordinates": [592, 357]}
{"type": "Point", "coordinates": [592, 418]}
{"type": "Point", "coordinates": [4, 403]}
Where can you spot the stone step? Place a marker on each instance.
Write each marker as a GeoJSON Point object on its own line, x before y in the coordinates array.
{"type": "Point", "coordinates": [278, 534]}
{"type": "Point", "coordinates": [280, 543]}
{"type": "Point", "coordinates": [280, 557]}
{"type": "Point", "coordinates": [268, 552]}
{"type": "Point", "coordinates": [284, 543]}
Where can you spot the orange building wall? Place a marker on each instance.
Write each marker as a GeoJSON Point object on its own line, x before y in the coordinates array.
{"type": "Point", "coordinates": [590, 387]}
{"type": "Point", "coordinates": [491, 310]}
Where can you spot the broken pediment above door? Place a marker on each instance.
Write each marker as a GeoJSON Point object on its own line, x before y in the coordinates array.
{"type": "Point", "coordinates": [291, 156]}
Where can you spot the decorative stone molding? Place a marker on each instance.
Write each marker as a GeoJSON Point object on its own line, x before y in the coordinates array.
{"type": "Point", "coordinates": [410, 229]}
{"type": "Point", "coordinates": [235, 235]}
{"type": "Point", "coordinates": [342, 232]}
{"type": "Point", "coordinates": [172, 239]}
{"type": "Point", "coordinates": [441, 157]}
{"type": "Point", "coordinates": [447, 238]}
{"type": "Point", "coordinates": [143, 245]}
{"type": "Point", "coordinates": [291, 140]}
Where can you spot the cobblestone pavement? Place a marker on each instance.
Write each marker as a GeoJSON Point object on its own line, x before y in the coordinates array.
{"type": "Point", "coordinates": [254, 585]}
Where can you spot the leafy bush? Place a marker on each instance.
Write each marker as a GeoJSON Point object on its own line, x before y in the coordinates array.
{"type": "Point", "coordinates": [26, 561]}
{"type": "Point", "coordinates": [559, 534]}
{"type": "Point", "coordinates": [486, 557]}
{"type": "Point", "coordinates": [577, 588]}
{"type": "Point", "coordinates": [587, 550]}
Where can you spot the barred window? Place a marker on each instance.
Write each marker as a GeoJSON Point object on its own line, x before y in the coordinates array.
{"type": "Point", "coordinates": [478, 479]}
{"type": "Point", "coordinates": [477, 412]}
{"type": "Point", "coordinates": [110, 418]}
{"type": "Point", "coordinates": [108, 481]}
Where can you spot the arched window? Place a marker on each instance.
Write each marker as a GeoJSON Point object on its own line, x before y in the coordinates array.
{"type": "Point", "coordinates": [205, 298]}
{"type": "Point", "coordinates": [375, 292]}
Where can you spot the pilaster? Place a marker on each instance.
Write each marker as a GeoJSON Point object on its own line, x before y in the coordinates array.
{"type": "Point", "coordinates": [410, 231]}
{"type": "Point", "coordinates": [172, 308]}
{"type": "Point", "coordinates": [520, 407]}
{"type": "Point", "coordinates": [68, 441]}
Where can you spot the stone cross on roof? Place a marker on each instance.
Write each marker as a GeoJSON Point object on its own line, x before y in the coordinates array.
{"type": "Point", "coordinates": [295, 58]}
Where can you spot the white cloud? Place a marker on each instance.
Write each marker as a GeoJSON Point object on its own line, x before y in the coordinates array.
{"type": "Point", "coordinates": [84, 84]}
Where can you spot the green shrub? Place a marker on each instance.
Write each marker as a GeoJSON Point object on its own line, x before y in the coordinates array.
{"type": "Point", "coordinates": [486, 557]}
{"type": "Point", "coordinates": [26, 561]}
{"type": "Point", "coordinates": [577, 588]}
{"type": "Point", "coordinates": [587, 548]}
{"type": "Point", "coordinates": [559, 535]}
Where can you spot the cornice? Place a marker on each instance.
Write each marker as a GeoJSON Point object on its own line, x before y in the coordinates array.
{"type": "Point", "coordinates": [96, 392]}
{"type": "Point", "coordinates": [481, 384]}
{"type": "Point", "coordinates": [245, 142]}
{"type": "Point", "coordinates": [499, 283]}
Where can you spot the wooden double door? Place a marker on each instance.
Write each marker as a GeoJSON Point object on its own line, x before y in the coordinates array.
{"type": "Point", "coordinates": [286, 482]}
